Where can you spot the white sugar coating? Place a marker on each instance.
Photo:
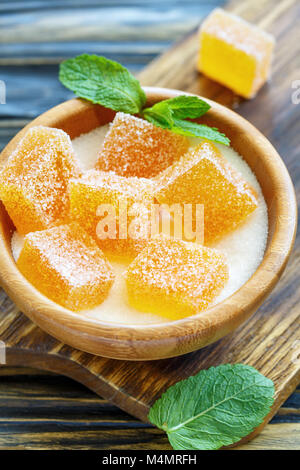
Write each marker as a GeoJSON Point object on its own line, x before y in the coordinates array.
{"type": "Point", "coordinates": [244, 248]}
{"type": "Point", "coordinates": [87, 146]}
{"type": "Point", "coordinates": [77, 259]}
{"type": "Point", "coordinates": [130, 187]}
{"type": "Point", "coordinates": [135, 147]}
{"type": "Point", "coordinates": [34, 180]}
{"type": "Point", "coordinates": [17, 242]}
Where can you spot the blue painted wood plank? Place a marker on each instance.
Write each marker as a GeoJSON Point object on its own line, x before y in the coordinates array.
{"type": "Point", "coordinates": [33, 5]}
{"type": "Point", "coordinates": [159, 20]}
{"type": "Point", "coordinates": [35, 39]}
{"type": "Point", "coordinates": [31, 91]}
{"type": "Point", "coordinates": [54, 52]}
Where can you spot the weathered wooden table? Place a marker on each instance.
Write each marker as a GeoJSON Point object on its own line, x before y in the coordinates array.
{"type": "Point", "coordinates": [40, 410]}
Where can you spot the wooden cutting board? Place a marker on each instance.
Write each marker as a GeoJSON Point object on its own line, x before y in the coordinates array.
{"type": "Point", "coordinates": [270, 340]}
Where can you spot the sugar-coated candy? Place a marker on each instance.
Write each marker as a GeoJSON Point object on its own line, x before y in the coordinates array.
{"type": "Point", "coordinates": [33, 183]}
{"type": "Point", "coordinates": [113, 209]}
{"type": "Point", "coordinates": [65, 264]}
{"type": "Point", "coordinates": [174, 278]}
{"type": "Point", "coordinates": [235, 53]}
{"type": "Point", "coordinates": [203, 176]}
{"type": "Point", "coordinates": [135, 147]}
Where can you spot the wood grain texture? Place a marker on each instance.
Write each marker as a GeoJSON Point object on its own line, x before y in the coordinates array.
{"type": "Point", "coordinates": [278, 319]}
{"type": "Point", "coordinates": [41, 411]}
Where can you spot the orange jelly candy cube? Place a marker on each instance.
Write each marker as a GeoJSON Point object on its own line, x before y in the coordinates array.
{"type": "Point", "coordinates": [235, 53]}
{"type": "Point", "coordinates": [33, 184]}
{"type": "Point", "coordinates": [113, 209]}
{"type": "Point", "coordinates": [66, 265]}
{"type": "Point", "coordinates": [135, 147]}
{"type": "Point", "coordinates": [203, 176]}
{"type": "Point", "coordinates": [174, 278]}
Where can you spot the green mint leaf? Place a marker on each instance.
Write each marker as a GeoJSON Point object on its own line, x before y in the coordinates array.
{"type": "Point", "coordinates": [104, 82]}
{"type": "Point", "coordinates": [192, 129]}
{"type": "Point", "coordinates": [160, 115]}
{"type": "Point", "coordinates": [185, 106]}
{"type": "Point", "coordinates": [215, 408]}
{"type": "Point", "coordinates": [172, 114]}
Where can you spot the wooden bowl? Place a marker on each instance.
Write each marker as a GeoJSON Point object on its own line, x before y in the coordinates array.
{"type": "Point", "coordinates": [145, 342]}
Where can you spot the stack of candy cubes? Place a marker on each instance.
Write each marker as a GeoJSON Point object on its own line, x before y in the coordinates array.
{"type": "Point", "coordinates": [66, 254]}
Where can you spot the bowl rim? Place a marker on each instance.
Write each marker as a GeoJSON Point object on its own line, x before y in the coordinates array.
{"type": "Point", "coordinates": [231, 311]}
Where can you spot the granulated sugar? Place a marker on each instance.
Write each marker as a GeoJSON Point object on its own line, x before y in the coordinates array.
{"type": "Point", "coordinates": [17, 242]}
{"type": "Point", "coordinates": [244, 248]}
{"type": "Point", "coordinates": [87, 146]}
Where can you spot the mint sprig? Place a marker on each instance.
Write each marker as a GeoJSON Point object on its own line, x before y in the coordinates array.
{"type": "Point", "coordinates": [192, 129]}
{"type": "Point", "coordinates": [185, 106]}
{"type": "Point", "coordinates": [160, 115]}
{"type": "Point", "coordinates": [215, 408]}
{"type": "Point", "coordinates": [103, 81]}
{"type": "Point", "coordinates": [172, 114]}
